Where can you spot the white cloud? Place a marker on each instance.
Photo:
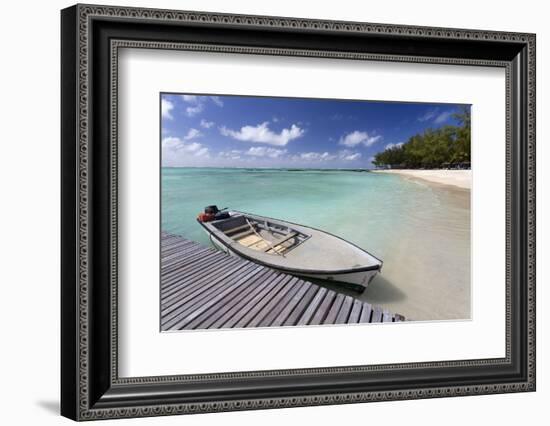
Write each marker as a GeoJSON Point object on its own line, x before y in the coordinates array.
{"type": "Point", "coordinates": [191, 111]}
{"type": "Point", "coordinates": [316, 156]}
{"type": "Point", "coordinates": [171, 142]}
{"type": "Point", "coordinates": [234, 154]}
{"type": "Point", "coordinates": [351, 157]}
{"type": "Point", "coordinates": [443, 117]}
{"type": "Point", "coordinates": [193, 147]}
{"type": "Point", "coordinates": [435, 115]}
{"type": "Point", "coordinates": [393, 145]}
{"type": "Point", "coordinates": [176, 151]}
{"type": "Point", "coordinates": [262, 151]}
{"type": "Point", "coordinates": [429, 115]}
{"type": "Point", "coordinates": [192, 134]}
{"type": "Point", "coordinates": [166, 108]}
{"type": "Point", "coordinates": [190, 98]}
{"type": "Point", "coordinates": [202, 152]}
{"type": "Point", "coordinates": [217, 100]}
{"type": "Point", "coordinates": [198, 103]}
{"type": "Point", "coordinates": [206, 124]}
{"type": "Point", "coordinates": [344, 155]}
{"type": "Point", "coordinates": [357, 137]}
{"type": "Point", "coordinates": [347, 155]}
{"type": "Point", "coordinates": [262, 134]}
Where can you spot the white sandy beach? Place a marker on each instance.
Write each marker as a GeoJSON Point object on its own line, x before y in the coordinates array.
{"type": "Point", "coordinates": [458, 178]}
{"type": "Point", "coordinates": [426, 273]}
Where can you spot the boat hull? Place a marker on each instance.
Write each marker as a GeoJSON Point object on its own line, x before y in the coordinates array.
{"type": "Point", "coordinates": [359, 280]}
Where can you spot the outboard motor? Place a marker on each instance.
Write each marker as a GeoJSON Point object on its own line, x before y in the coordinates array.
{"type": "Point", "coordinates": [222, 215]}
{"type": "Point", "coordinates": [208, 215]}
{"type": "Point", "coordinates": [211, 209]}
{"type": "Point", "coordinates": [212, 213]}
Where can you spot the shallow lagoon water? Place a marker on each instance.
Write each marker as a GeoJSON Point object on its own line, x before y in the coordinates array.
{"type": "Point", "coordinates": [421, 231]}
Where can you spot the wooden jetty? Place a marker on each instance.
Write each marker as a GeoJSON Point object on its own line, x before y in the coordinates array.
{"type": "Point", "coordinates": [202, 288]}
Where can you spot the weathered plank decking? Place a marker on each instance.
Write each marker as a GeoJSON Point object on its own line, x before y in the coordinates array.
{"type": "Point", "coordinates": [205, 288]}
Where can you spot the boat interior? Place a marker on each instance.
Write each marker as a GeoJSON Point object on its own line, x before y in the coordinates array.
{"type": "Point", "coordinates": [261, 234]}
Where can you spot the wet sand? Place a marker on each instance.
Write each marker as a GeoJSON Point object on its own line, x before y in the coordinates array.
{"type": "Point", "coordinates": [426, 274]}
{"type": "Point", "coordinates": [459, 178]}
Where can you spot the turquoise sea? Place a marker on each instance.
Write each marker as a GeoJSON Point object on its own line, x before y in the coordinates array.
{"type": "Point", "coordinates": [421, 231]}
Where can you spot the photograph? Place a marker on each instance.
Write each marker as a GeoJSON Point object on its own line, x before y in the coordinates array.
{"type": "Point", "coordinates": [281, 211]}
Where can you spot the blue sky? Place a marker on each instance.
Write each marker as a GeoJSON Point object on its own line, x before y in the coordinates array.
{"type": "Point", "coordinates": [245, 131]}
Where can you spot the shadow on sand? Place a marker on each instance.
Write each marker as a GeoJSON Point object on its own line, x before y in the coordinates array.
{"type": "Point", "coordinates": [381, 291]}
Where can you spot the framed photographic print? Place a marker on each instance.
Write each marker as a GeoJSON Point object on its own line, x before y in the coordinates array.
{"type": "Point", "coordinates": [263, 212]}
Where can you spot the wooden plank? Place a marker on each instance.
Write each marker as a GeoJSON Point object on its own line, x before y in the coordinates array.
{"type": "Point", "coordinates": [266, 315]}
{"type": "Point", "coordinates": [195, 299]}
{"type": "Point", "coordinates": [366, 313]}
{"type": "Point", "coordinates": [294, 286]}
{"type": "Point", "coordinates": [178, 256]}
{"type": "Point", "coordinates": [193, 296]}
{"type": "Point", "coordinates": [167, 241]}
{"type": "Point", "coordinates": [238, 228]}
{"type": "Point", "coordinates": [170, 246]}
{"type": "Point", "coordinates": [231, 299]}
{"type": "Point", "coordinates": [279, 320]}
{"type": "Point", "coordinates": [312, 308]}
{"type": "Point", "coordinates": [323, 308]}
{"type": "Point", "coordinates": [241, 237]}
{"type": "Point", "coordinates": [168, 252]}
{"type": "Point", "coordinates": [167, 274]}
{"type": "Point", "coordinates": [209, 302]}
{"type": "Point", "coordinates": [186, 270]}
{"type": "Point", "coordinates": [262, 284]}
{"type": "Point", "coordinates": [333, 311]}
{"type": "Point", "coordinates": [200, 265]}
{"type": "Point", "coordinates": [237, 313]}
{"type": "Point", "coordinates": [345, 310]}
{"type": "Point", "coordinates": [376, 314]}
{"type": "Point", "coordinates": [190, 287]}
{"type": "Point", "coordinates": [301, 307]}
{"type": "Point", "coordinates": [245, 320]}
{"type": "Point", "coordinates": [169, 259]}
{"type": "Point", "coordinates": [355, 312]}
{"type": "Point", "coordinates": [190, 260]}
{"type": "Point", "coordinates": [199, 296]}
{"type": "Point", "coordinates": [279, 242]}
{"type": "Point", "coordinates": [202, 284]}
{"type": "Point", "coordinates": [208, 270]}
{"type": "Point", "coordinates": [175, 241]}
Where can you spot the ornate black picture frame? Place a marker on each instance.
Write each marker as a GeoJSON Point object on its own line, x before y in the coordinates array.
{"type": "Point", "coordinates": [91, 37]}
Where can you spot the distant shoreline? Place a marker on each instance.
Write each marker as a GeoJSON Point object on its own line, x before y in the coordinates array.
{"type": "Point", "coordinates": [458, 178]}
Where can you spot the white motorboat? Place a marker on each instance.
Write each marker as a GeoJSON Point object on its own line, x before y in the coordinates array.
{"type": "Point", "coordinates": [289, 247]}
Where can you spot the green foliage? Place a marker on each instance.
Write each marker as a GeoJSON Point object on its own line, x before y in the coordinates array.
{"type": "Point", "coordinates": [434, 148]}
